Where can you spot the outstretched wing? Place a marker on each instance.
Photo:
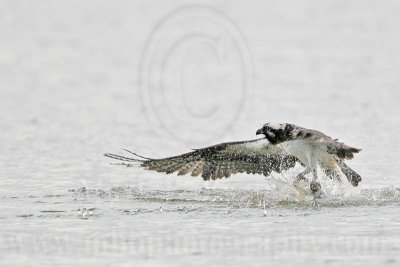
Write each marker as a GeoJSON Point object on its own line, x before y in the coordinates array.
{"type": "Point", "coordinates": [222, 160]}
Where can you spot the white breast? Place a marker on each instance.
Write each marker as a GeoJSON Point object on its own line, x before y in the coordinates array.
{"type": "Point", "coordinates": [302, 149]}
{"type": "Point", "coordinates": [298, 148]}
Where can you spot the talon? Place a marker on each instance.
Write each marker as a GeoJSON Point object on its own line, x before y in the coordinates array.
{"type": "Point", "coordinates": [315, 187]}
{"type": "Point", "coordinates": [355, 180]}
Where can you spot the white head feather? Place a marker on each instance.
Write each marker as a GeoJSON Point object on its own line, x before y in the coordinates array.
{"type": "Point", "coordinates": [275, 126]}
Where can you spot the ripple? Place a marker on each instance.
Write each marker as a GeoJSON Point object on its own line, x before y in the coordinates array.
{"type": "Point", "coordinates": [52, 211]}
{"type": "Point", "coordinates": [24, 216]}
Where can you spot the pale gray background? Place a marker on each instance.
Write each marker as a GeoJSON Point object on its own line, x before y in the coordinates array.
{"type": "Point", "coordinates": [70, 90]}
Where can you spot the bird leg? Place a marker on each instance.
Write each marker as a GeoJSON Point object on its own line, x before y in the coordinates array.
{"type": "Point", "coordinates": [315, 186]}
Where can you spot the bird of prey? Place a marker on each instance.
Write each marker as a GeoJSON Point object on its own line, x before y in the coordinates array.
{"type": "Point", "coordinates": [281, 148]}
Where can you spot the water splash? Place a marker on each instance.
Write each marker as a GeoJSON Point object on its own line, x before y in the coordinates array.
{"type": "Point", "coordinates": [281, 195]}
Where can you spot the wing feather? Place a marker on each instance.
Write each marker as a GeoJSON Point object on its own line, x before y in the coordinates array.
{"type": "Point", "coordinates": [198, 169]}
{"type": "Point", "coordinates": [222, 160]}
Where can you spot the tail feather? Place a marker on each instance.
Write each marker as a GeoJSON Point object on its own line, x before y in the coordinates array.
{"type": "Point", "coordinates": [342, 151]}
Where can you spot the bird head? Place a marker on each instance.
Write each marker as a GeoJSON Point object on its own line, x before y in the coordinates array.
{"type": "Point", "coordinates": [276, 133]}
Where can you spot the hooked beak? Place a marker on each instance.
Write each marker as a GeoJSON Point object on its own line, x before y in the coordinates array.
{"type": "Point", "coordinates": [260, 131]}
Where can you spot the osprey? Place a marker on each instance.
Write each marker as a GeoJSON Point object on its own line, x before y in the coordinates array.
{"type": "Point", "coordinates": [282, 147]}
